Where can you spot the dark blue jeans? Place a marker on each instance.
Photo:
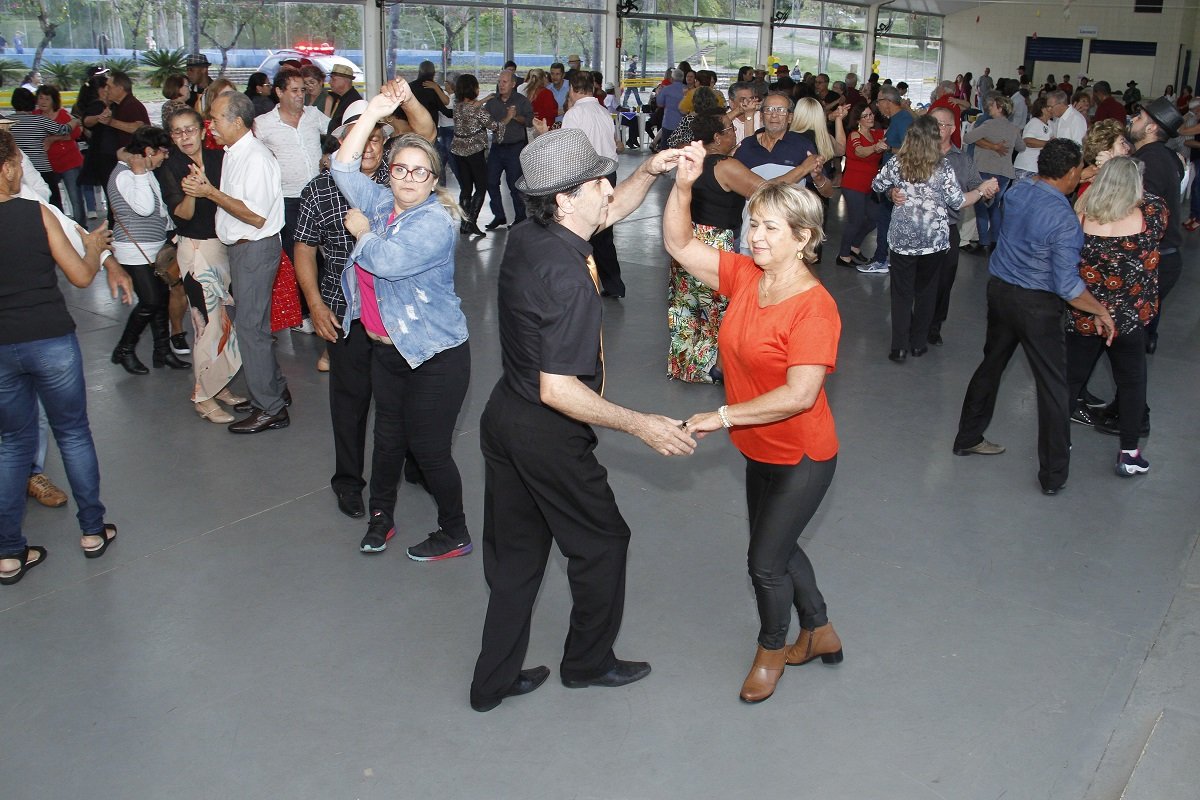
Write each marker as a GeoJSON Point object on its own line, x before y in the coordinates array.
{"type": "Point", "coordinates": [505, 158]}
{"type": "Point", "coordinates": [987, 216]}
{"type": "Point", "coordinates": [50, 370]}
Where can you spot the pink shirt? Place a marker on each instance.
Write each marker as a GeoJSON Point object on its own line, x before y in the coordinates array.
{"type": "Point", "coordinates": [368, 304]}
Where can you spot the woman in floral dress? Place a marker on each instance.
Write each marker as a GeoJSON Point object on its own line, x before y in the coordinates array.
{"type": "Point", "coordinates": [693, 311]}
{"type": "Point", "coordinates": [1122, 228]}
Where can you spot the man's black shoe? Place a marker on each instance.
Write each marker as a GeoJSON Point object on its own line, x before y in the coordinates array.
{"type": "Point", "coordinates": [899, 356]}
{"type": "Point", "coordinates": [351, 504]}
{"type": "Point", "coordinates": [496, 223]}
{"type": "Point", "coordinates": [246, 406]}
{"type": "Point", "coordinates": [623, 672]}
{"type": "Point", "coordinates": [1111, 424]}
{"type": "Point", "coordinates": [1050, 491]}
{"type": "Point", "coordinates": [917, 352]}
{"type": "Point", "coordinates": [1090, 400]}
{"type": "Point", "coordinates": [260, 421]}
{"type": "Point", "coordinates": [934, 338]}
{"type": "Point", "coordinates": [527, 680]}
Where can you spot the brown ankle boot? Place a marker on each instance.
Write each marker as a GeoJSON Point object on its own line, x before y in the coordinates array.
{"type": "Point", "coordinates": [822, 641]}
{"type": "Point", "coordinates": [766, 672]}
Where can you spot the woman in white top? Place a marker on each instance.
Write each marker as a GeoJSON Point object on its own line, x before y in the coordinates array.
{"type": "Point", "coordinates": [140, 230]}
{"type": "Point", "coordinates": [1035, 135]}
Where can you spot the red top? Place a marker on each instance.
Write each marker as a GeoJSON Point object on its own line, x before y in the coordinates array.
{"type": "Point", "coordinates": [545, 107]}
{"type": "Point", "coordinates": [65, 155]}
{"type": "Point", "coordinates": [758, 345]}
{"type": "Point", "coordinates": [1068, 88]}
{"type": "Point", "coordinates": [947, 102]}
{"type": "Point", "coordinates": [1111, 108]}
{"type": "Point", "coordinates": [858, 171]}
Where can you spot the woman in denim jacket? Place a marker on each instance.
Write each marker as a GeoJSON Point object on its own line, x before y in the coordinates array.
{"type": "Point", "coordinates": [399, 283]}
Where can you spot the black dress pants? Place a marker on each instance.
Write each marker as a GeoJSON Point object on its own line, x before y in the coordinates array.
{"type": "Point", "coordinates": [604, 250]}
{"type": "Point", "coordinates": [1034, 320]}
{"type": "Point", "coordinates": [543, 485]}
{"type": "Point", "coordinates": [945, 283]}
{"type": "Point", "coordinates": [349, 405]}
{"type": "Point", "coordinates": [415, 412]}
{"type": "Point", "coordinates": [914, 285]}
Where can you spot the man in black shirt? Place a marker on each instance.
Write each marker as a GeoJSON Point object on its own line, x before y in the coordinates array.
{"type": "Point", "coordinates": [341, 86]}
{"type": "Point", "coordinates": [543, 482]}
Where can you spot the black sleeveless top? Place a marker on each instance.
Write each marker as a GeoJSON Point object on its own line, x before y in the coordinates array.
{"type": "Point", "coordinates": [31, 306]}
{"type": "Point", "coordinates": [712, 205]}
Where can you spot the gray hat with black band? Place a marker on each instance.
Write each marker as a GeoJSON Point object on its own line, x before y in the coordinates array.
{"type": "Point", "coordinates": [560, 160]}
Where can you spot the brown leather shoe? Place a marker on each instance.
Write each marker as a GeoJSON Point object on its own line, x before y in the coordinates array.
{"type": "Point", "coordinates": [41, 489]}
{"type": "Point", "coordinates": [766, 672]}
{"type": "Point", "coordinates": [822, 641]}
{"type": "Point", "coordinates": [260, 421]}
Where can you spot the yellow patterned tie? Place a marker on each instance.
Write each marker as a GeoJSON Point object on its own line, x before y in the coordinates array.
{"type": "Point", "coordinates": [594, 274]}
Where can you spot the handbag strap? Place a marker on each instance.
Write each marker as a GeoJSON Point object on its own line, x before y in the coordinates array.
{"type": "Point", "coordinates": [135, 241]}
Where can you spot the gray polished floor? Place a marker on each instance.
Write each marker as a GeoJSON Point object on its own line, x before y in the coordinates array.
{"type": "Point", "coordinates": [234, 644]}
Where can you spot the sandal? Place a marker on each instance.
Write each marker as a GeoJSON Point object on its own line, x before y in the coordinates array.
{"type": "Point", "coordinates": [26, 565]}
{"type": "Point", "coordinates": [99, 551]}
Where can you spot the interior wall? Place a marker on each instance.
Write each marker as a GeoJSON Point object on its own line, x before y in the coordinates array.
{"type": "Point", "coordinates": [993, 35]}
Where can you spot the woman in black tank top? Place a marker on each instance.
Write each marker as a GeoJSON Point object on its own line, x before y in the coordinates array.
{"type": "Point", "coordinates": [718, 203]}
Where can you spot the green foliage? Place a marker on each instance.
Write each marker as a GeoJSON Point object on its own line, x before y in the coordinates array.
{"type": "Point", "coordinates": [63, 75]}
{"type": "Point", "coordinates": [126, 65]}
{"type": "Point", "coordinates": [12, 70]}
{"type": "Point", "coordinates": [164, 63]}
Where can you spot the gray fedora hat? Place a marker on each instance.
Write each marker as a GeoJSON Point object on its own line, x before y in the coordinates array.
{"type": "Point", "coordinates": [560, 160]}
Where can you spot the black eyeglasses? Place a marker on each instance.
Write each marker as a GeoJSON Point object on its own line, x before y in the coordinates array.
{"type": "Point", "coordinates": [418, 174]}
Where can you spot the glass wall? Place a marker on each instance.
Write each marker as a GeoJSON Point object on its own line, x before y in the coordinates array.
{"type": "Point", "coordinates": [820, 37]}
{"type": "Point", "coordinates": [910, 50]}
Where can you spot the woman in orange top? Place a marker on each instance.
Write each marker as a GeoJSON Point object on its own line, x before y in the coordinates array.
{"type": "Point", "coordinates": [778, 341]}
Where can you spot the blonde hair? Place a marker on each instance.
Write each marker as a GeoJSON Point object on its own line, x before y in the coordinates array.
{"type": "Point", "coordinates": [214, 90]}
{"type": "Point", "coordinates": [799, 207]}
{"type": "Point", "coordinates": [921, 152]}
{"type": "Point", "coordinates": [1003, 103]}
{"type": "Point", "coordinates": [809, 118]}
{"type": "Point", "coordinates": [1115, 192]}
{"type": "Point", "coordinates": [414, 141]}
{"type": "Point", "coordinates": [535, 82]}
{"type": "Point", "coordinates": [1102, 136]}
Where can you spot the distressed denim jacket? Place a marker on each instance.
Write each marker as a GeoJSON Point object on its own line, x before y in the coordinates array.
{"type": "Point", "coordinates": [412, 260]}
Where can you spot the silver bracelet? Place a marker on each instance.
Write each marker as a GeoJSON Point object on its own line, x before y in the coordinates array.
{"type": "Point", "coordinates": [722, 413]}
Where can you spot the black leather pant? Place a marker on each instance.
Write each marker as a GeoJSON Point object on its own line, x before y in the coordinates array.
{"type": "Point", "coordinates": [151, 308]}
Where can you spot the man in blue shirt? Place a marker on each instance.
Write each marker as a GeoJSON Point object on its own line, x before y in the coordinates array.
{"type": "Point", "coordinates": [1035, 268]}
{"type": "Point", "coordinates": [777, 144]}
{"type": "Point", "coordinates": [899, 121]}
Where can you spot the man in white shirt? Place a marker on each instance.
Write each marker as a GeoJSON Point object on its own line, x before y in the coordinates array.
{"type": "Point", "coordinates": [249, 218]}
{"type": "Point", "coordinates": [589, 116]}
{"type": "Point", "coordinates": [1068, 122]}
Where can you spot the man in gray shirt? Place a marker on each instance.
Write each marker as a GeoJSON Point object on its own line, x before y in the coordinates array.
{"type": "Point", "coordinates": [513, 112]}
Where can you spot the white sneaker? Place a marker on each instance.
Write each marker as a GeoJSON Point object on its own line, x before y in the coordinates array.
{"type": "Point", "coordinates": [874, 268]}
{"type": "Point", "coordinates": [304, 327]}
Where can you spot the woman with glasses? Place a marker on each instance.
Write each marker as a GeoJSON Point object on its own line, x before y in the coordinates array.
{"type": "Point", "coordinates": [139, 232]}
{"type": "Point", "coordinates": [204, 265]}
{"type": "Point", "coordinates": [260, 92]}
{"type": "Point", "coordinates": [693, 310]}
{"type": "Point", "coordinates": [399, 282]}
{"type": "Point", "coordinates": [995, 141]}
{"type": "Point", "coordinates": [865, 146]}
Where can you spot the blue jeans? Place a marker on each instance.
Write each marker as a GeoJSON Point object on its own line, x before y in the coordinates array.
{"type": "Point", "coordinates": [50, 370]}
{"type": "Point", "coordinates": [444, 136]}
{"type": "Point", "coordinates": [70, 180]}
{"type": "Point", "coordinates": [987, 218]}
{"type": "Point", "coordinates": [505, 158]}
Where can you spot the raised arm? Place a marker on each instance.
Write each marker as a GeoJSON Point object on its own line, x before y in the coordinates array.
{"type": "Point", "coordinates": [631, 191]}
{"type": "Point", "coordinates": [699, 259]}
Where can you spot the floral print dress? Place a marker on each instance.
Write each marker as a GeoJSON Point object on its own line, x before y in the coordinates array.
{"type": "Point", "coordinates": [1121, 272]}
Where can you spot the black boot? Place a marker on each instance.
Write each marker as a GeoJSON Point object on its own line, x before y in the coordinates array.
{"type": "Point", "coordinates": [471, 223]}
{"type": "Point", "coordinates": [125, 354]}
{"type": "Point", "coordinates": [163, 357]}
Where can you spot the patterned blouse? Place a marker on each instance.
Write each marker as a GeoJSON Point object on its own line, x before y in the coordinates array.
{"type": "Point", "coordinates": [920, 226]}
{"type": "Point", "coordinates": [1122, 273]}
{"type": "Point", "coordinates": [471, 126]}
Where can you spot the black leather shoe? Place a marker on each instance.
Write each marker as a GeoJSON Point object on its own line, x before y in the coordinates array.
{"type": "Point", "coordinates": [899, 356]}
{"type": "Point", "coordinates": [623, 672]}
{"type": "Point", "coordinates": [935, 339]}
{"type": "Point", "coordinates": [496, 223]}
{"type": "Point", "coordinates": [260, 421]}
{"type": "Point", "coordinates": [527, 680]}
{"type": "Point", "coordinates": [1111, 424]}
{"type": "Point", "coordinates": [971, 247]}
{"type": "Point", "coordinates": [165, 358]}
{"type": "Point", "coordinates": [917, 352]}
{"type": "Point", "coordinates": [1050, 491]}
{"type": "Point", "coordinates": [351, 504]}
{"type": "Point", "coordinates": [248, 406]}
